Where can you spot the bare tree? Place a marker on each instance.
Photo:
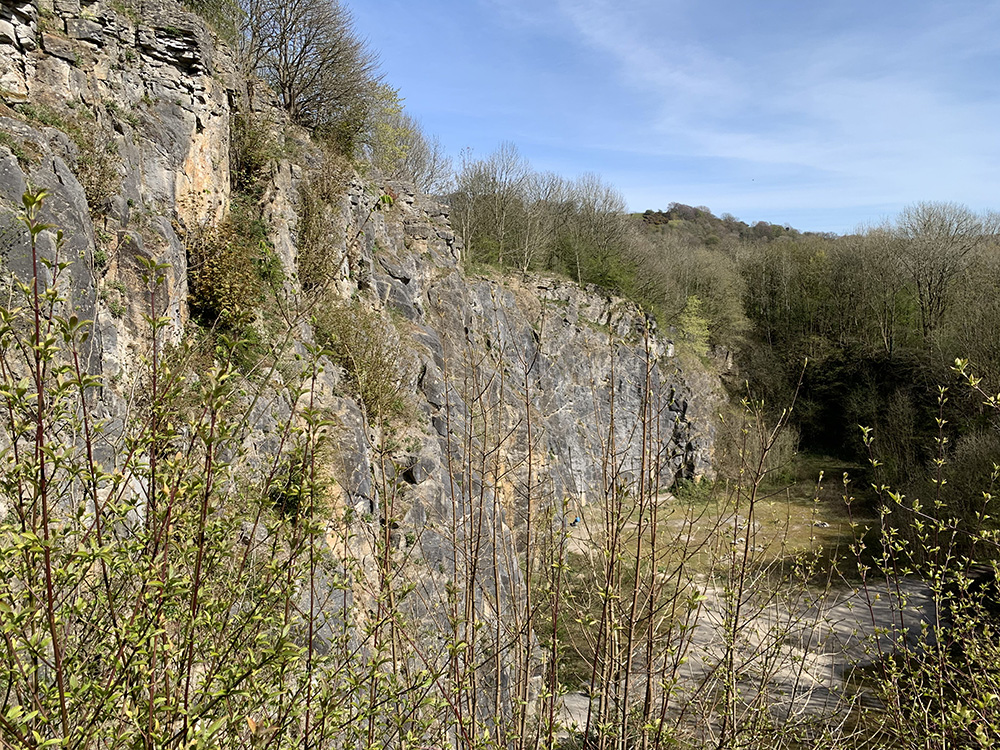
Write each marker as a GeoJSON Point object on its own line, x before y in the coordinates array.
{"type": "Point", "coordinates": [599, 234]}
{"type": "Point", "coordinates": [545, 213]}
{"type": "Point", "coordinates": [489, 202]}
{"type": "Point", "coordinates": [427, 165]}
{"type": "Point", "coordinates": [472, 187]}
{"type": "Point", "coordinates": [936, 243]}
{"type": "Point", "coordinates": [510, 173]}
{"type": "Point", "coordinates": [870, 293]}
{"type": "Point", "coordinates": [511, 215]}
{"type": "Point", "coordinates": [400, 149]}
{"type": "Point", "coordinates": [310, 54]}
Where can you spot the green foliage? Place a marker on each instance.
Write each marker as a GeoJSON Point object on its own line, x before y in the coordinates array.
{"type": "Point", "coordinates": [126, 8]}
{"type": "Point", "coordinates": [230, 265]}
{"type": "Point", "coordinates": [115, 296]}
{"type": "Point", "coordinates": [318, 229]}
{"type": "Point", "coordinates": [970, 481]}
{"type": "Point", "coordinates": [743, 433]}
{"type": "Point", "coordinates": [321, 229]}
{"type": "Point", "coordinates": [693, 327]}
{"type": "Point", "coordinates": [289, 494]}
{"type": "Point", "coordinates": [366, 344]}
{"type": "Point", "coordinates": [970, 335]}
{"type": "Point", "coordinates": [253, 148]}
{"type": "Point", "coordinates": [397, 147]}
{"type": "Point", "coordinates": [222, 15]}
{"type": "Point", "coordinates": [130, 117]}
{"type": "Point", "coordinates": [938, 689]}
{"type": "Point", "coordinates": [392, 136]}
{"type": "Point", "coordinates": [878, 316]}
{"type": "Point", "coordinates": [512, 217]}
{"type": "Point", "coordinates": [131, 612]}
{"type": "Point", "coordinates": [97, 163]}
{"type": "Point", "coordinates": [322, 72]}
{"type": "Point", "coordinates": [40, 114]}
{"type": "Point", "coordinates": [16, 148]}
{"type": "Point", "coordinates": [175, 595]}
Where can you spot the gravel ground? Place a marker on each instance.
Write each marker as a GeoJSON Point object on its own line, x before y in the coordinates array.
{"type": "Point", "coordinates": [819, 643]}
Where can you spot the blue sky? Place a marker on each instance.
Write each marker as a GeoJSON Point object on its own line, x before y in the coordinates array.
{"type": "Point", "coordinates": [821, 115]}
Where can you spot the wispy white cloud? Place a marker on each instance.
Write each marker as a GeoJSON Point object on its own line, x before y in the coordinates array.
{"type": "Point", "coordinates": [882, 111]}
{"type": "Point", "coordinates": [648, 51]}
{"type": "Point", "coordinates": [531, 15]}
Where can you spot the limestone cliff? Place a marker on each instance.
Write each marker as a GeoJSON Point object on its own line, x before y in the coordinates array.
{"type": "Point", "coordinates": [522, 397]}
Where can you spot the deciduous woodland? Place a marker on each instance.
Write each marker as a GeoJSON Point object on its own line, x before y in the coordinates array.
{"type": "Point", "coordinates": [311, 438]}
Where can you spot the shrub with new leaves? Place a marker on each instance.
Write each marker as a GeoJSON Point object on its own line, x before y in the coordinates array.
{"type": "Point", "coordinates": [228, 265]}
{"type": "Point", "coordinates": [151, 601]}
{"type": "Point", "coordinates": [365, 344]}
{"type": "Point", "coordinates": [318, 224]}
{"type": "Point", "coordinates": [252, 148]}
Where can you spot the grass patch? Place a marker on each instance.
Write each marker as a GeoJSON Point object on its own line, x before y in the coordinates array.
{"type": "Point", "coordinates": [40, 114]}
{"type": "Point", "coordinates": [16, 148]}
{"type": "Point", "coordinates": [96, 158]}
{"type": "Point", "coordinates": [367, 346]}
{"type": "Point", "coordinates": [803, 510]}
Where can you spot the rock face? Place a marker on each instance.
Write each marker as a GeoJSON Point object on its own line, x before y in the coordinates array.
{"type": "Point", "coordinates": [525, 397]}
